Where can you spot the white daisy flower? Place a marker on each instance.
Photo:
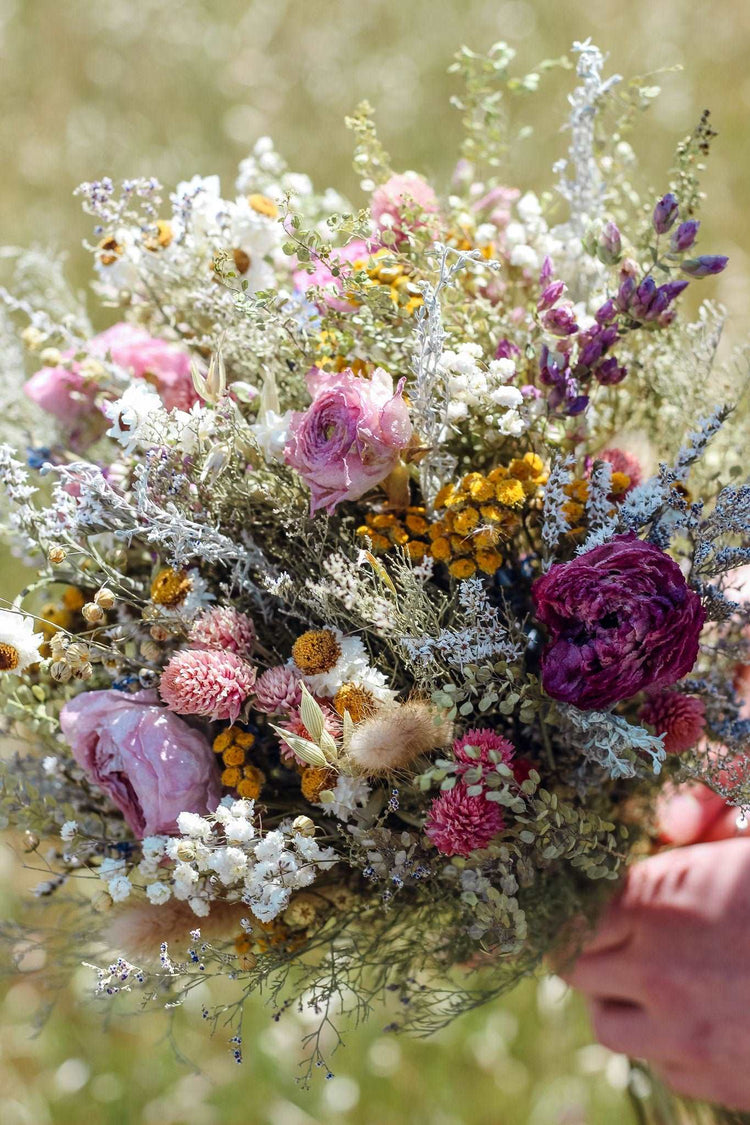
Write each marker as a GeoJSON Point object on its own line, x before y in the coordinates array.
{"type": "Point", "coordinates": [19, 644]}
{"type": "Point", "coordinates": [134, 416]}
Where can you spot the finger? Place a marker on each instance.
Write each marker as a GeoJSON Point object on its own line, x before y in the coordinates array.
{"type": "Point", "coordinates": [688, 814]}
{"type": "Point", "coordinates": [624, 1028]}
{"type": "Point", "coordinates": [608, 976]}
{"type": "Point", "coordinates": [729, 824]}
{"type": "Point", "coordinates": [614, 930]}
{"type": "Point", "coordinates": [691, 1082]}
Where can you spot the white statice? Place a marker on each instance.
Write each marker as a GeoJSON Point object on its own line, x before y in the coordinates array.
{"type": "Point", "coordinates": [19, 644]}
{"type": "Point", "coordinates": [158, 893]}
{"type": "Point", "coordinates": [348, 795]}
{"type": "Point", "coordinates": [68, 830]}
{"type": "Point", "coordinates": [119, 888]}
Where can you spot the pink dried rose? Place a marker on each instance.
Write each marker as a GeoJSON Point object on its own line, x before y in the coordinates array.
{"type": "Point", "coordinates": [680, 718]}
{"type": "Point", "coordinates": [398, 204]}
{"type": "Point", "coordinates": [458, 824]}
{"type": "Point", "coordinates": [350, 437]}
{"type": "Point", "coordinates": [68, 394]}
{"type": "Point", "coordinates": [224, 628]}
{"type": "Point", "coordinates": [208, 683]}
{"type": "Point", "coordinates": [352, 256]}
{"type": "Point", "coordinates": [150, 764]}
{"type": "Point", "coordinates": [278, 691]}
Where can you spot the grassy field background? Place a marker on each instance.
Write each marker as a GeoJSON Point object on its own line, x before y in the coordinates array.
{"type": "Point", "coordinates": [171, 87]}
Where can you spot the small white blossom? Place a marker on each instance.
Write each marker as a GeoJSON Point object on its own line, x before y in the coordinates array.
{"type": "Point", "coordinates": [158, 893]}
{"type": "Point", "coordinates": [68, 830]}
{"type": "Point", "coordinates": [119, 888]}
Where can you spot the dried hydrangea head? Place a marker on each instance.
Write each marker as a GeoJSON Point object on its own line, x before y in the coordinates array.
{"type": "Point", "coordinates": [208, 683]}
{"type": "Point", "coordinates": [396, 736]}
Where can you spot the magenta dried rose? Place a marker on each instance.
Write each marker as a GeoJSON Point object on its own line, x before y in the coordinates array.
{"type": "Point", "coordinates": [620, 618]}
{"type": "Point", "coordinates": [350, 437]}
{"type": "Point", "coordinates": [151, 764]}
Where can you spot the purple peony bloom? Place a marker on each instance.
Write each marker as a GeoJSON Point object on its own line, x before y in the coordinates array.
{"type": "Point", "coordinates": [620, 618]}
{"type": "Point", "coordinates": [151, 764]}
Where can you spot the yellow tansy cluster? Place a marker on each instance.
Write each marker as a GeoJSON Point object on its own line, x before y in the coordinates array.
{"type": "Point", "coordinates": [408, 529]}
{"type": "Point", "coordinates": [233, 745]}
{"type": "Point", "coordinates": [480, 513]}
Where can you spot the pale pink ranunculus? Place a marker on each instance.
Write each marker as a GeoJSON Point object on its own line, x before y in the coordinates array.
{"type": "Point", "coordinates": [149, 762]}
{"type": "Point", "coordinates": [355, 252]}
{"type": "Point", "coordinates": [166, 366]}
{"type": "Point", "coordinates": [350, 437]}
{"type": "Point", "coordinates": [393, 201]}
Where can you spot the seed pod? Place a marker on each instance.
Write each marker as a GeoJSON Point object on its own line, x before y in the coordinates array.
{"type": "Point", "coordinates": [92, 613]}
{"type": "Point", "coordinates": [57, 555]}
{"type": "Point", "coordinates": [104, 598]}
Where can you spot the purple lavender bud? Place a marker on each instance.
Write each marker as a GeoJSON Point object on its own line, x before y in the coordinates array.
{"type": "Point", "coordinates": [659, 305]}
{"type": "Point", "coordinates": [665, 213]}
{"type": "Point", "coordinates": [704, 266]}
{"type": "Point", "coordinates": [528, 390]}
{"type": "Point", "coordinates": [625, 293]}
{"type": "Point", "coordinates": [674, 288]}
{"type": "Point", "coordinates": [577, 405]}
{"type": "Point", "coordinates": [606, 312]}
{"type": "Point", "coordinates": [609, 247]}
{"type": "Point", "coordinates": [644, 295]}
{"type": "Point", "coordinates": [560, 321]}
{"type": "Point", "coordinates": [685, 235]}
{"type": "Point", "coordinates": [610, 372]}
{"type": "Point", "coordinates": [546, 272]}
{"type": "Point", "coordinates": [552, 293]}
{"type": "Point", "coordinates": [506, 350]}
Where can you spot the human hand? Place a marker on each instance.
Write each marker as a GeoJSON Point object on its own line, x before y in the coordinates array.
{"type": "Point", "coordinates": [667, 975]}
{"type": "Point", "coordinates": [694, 814]}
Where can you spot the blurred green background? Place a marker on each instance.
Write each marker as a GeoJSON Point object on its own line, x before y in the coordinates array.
{"type": "Point", "coordinates": [174, 87]}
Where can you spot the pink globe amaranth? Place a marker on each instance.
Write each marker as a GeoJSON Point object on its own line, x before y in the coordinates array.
{"type": "Point", "coordinates": [224, 628]}
{"type": "Point", "coordinates": [68, 395]}
{"type": "Point", "coordinates": [277, 691]}
{"type": "Point", "coordinates": [151, 764]}
{"type": "Point", "coordinates": [208, 683]}
{"type": "Point", "coordinates": [621, 619]}
{"type": "Point", "coordinates": [346, 257]}
{"type": "Point", "coordinates": [680, 718]}
{"type": "Point", "coordinates": [398, 203]}
{"type": "Point", "coordinates": [350, 437]}
{"type": "Point", "coordinates": [458, 824]}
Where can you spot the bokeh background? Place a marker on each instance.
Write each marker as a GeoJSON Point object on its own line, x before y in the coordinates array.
{"type": "Point", "coordinates": [174, 87]}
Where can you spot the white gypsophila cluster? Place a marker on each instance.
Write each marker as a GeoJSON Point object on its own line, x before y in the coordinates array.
{"type": "Point", "coordinates": [612, 742]}
{"type": "Point", "coordinates": [347, 796]}
{"type": "Point", "coordinates": [266, 171]}
{"type": "Point", "coordinates": [473, 386]}
{"type": "Point", "coordinates": [481, 637]}
{"type": "Point", "coordinates": [226, 855]}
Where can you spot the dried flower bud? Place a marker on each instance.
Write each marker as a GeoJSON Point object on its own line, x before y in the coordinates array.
{"type": "Point", "coordinates": [685, 235]}
{"type": "Point", "coordinates": [51, 357]}
{"type": "Point", "coordinates": [151, 651]}
{"type": "Point", "coordinates": [704, 266]}
{"type": "Point", "coordinates": [160, 633]}
{"type": "Point", "coordinates": [104, 598]}
{"type": "Point", "coordinates": [101, 902]}
{"type": "Point", "coordinates": [84, 672]}
{"type": "Point", "coordinates": [33, 338]}
{"type": "Point", "coordinates": [30, 841]}
{"type": "Point", "coordinates": [609, 246]}
{"type": "Point", "coordinates": [58, 644]}
{"type": "Point", "coordinates": [92, 613]}
{"type": "Point", "coordinates": [665, 213]}
{"type": "Point", "coordinates": [185, 851]}
{"type": "Point", "coordinates": [77, 653]}
{"type": "Point", "coordinates": [303, 826]}
{"type": "Point", "coordinates": [57, 555]}
{"type": "Point", "coordinates": [61, 671]}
